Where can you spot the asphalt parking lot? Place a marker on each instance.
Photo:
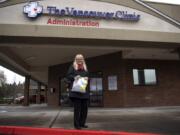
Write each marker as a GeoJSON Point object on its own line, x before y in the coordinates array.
{"type": "Point", "coordinates": [163, 120]}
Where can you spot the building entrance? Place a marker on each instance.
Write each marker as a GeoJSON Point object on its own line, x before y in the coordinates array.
{"type": "Point", "coordinates": [96, 89]}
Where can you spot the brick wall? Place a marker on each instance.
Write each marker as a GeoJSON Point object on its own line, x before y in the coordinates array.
{"type": "Point", "coordinates": [166, 92]}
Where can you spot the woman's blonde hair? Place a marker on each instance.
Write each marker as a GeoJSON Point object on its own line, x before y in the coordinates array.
{"type": "Point", "coordinates": [75, 65]}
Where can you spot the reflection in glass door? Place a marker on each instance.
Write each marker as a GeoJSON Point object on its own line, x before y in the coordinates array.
{"type": "Point", "coordinates": [64, 94]}
{"type": "Point", "coordinates": [96, 91]}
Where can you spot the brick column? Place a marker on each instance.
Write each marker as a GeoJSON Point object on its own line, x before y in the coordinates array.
{"type": "Point", "coordinates": [38, 94]}
{"type": "Point", "coordinates": [26, 90]}
{"type": "Point", "coordinates": [178, 50]}
{"type": "Point", "coordinates": [124, 81]}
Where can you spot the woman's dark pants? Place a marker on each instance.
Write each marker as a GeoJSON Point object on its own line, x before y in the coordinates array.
{"type": "Point", "coordinates": [80, 111]}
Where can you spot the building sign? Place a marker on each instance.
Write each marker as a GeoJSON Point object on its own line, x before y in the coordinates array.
{"type": "Point", "coordinates": [73, 22]}
{"type": "Point", "coordinates": [34, 9]}
{"type": "Point", "coordinates": [72, 12]}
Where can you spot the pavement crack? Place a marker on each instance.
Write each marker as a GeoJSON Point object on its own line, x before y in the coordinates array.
{"type": "Point", "coordinates": [54, 120]}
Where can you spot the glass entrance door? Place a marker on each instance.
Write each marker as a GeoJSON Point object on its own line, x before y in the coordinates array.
{"type": "Point", "coordinates": [96, 89]}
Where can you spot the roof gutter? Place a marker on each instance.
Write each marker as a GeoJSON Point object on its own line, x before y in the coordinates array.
{"type": "Point", "coordinates": [158, 12]}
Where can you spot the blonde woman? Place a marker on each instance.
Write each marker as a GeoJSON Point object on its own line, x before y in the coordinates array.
{"type": "Point", "coordinates": [80, 100]}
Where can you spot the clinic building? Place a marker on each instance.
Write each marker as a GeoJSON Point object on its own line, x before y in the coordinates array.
{"type": "Point", "coordinates": [132, 49]}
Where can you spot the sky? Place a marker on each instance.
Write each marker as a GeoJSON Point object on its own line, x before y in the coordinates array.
{"type": "Point", "coordinates": [12, 77]}
{"type": "Point", "coordinates": [166, 1]}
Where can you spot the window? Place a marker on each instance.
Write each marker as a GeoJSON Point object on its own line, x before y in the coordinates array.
{"type": "Point", "coordinates": [96, 84]}
{"type": "Point", "coordinates": [144, 77]}
{"type": "Point", "coordinates": [112, 82]}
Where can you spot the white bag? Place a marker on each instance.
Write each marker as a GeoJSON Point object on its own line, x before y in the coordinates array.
{"type": "Point", "coordinates": [80, 85]}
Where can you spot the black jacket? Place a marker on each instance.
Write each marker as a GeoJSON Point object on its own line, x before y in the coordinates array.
{"type": "Point", "coordinates": [69, 79]}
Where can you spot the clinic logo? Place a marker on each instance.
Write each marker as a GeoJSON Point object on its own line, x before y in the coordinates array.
{"type": "Point", "coordinates": [33, 9]}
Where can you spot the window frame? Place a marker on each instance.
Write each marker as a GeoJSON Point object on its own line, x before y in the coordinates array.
{"type": "Point", "coordinates": [108, 82]}
{"type": "Point", "coordinates": [144, 84]}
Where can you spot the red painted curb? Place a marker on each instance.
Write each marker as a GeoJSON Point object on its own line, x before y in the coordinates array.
{"type": "Point", "coordinates": [13, 130]}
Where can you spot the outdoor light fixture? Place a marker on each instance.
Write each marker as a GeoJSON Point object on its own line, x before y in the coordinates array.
{"type": "Point", "coordinates": [30, 58]}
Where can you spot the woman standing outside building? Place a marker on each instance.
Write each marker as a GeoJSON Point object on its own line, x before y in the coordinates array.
{"type": "Point", "coordinates": [80, 100]}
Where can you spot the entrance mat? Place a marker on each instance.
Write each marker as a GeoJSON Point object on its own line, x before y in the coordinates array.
{"type": "Point", "coordinates": [13, 130]}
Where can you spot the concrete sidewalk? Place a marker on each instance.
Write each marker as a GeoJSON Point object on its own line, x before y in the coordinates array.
{"type": "Point", "coordinates": [164, 120]}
